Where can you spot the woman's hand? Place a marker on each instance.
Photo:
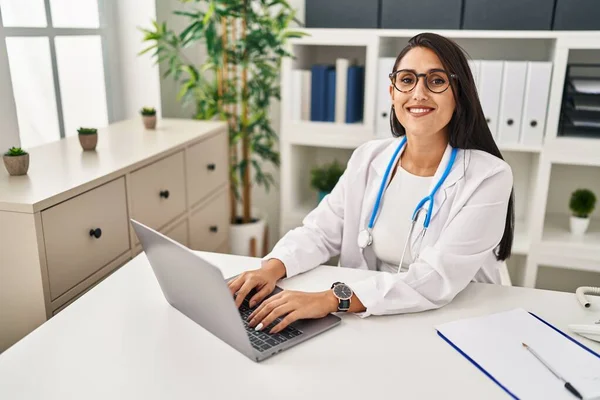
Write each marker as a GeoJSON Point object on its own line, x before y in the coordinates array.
{"type": "Point", "coordinates": [294, 305]}
{"type": "Point", "coordinates": [262, 280]}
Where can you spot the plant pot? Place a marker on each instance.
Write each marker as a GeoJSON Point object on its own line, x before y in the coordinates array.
{"type": "Point", "coordinates": [17, 165]}
{"type": "Point", "coordinates": [247, 239]}
{"type": "Point", "coordinates": [321, 195]}
{"type": "Point", "coordinates": [149, 121]}
{"type": "Point", "coordinates": [579, 225]}
{"type": "Point", "coordinates": [88, 142]}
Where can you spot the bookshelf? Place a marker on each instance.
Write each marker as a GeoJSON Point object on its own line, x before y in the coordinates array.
{"type": "Point", "coordinates": [544, 173]}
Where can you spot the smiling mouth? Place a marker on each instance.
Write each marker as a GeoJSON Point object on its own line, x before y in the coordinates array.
{"type": "Point", "coordinates": [420, 111]}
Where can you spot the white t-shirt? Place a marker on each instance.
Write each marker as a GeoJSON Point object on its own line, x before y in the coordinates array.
{"type": "Point", "coordinates": [392, 225]}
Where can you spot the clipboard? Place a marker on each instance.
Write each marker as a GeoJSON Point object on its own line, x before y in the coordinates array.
{"type": "Point", "coordinates": [492, 343]}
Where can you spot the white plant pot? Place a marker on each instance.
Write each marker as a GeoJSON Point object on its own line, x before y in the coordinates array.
{"type": "Point", "coordinates": [579, 225]}
{"type": "Point", "coordinates": [240, 236]}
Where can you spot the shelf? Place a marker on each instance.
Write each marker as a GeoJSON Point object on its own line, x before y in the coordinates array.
{"type": "Point", "coordinates": [327, 134]}
{"type": "Point", "coordinates": [577, 151]}
{"type": "Point", "coordinates": [562, 249]}
{"type": "Point", "coordinates": [524, 148]}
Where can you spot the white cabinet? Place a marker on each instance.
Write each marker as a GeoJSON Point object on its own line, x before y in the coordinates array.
{"type": "Point", "coordinates": [65, 225]}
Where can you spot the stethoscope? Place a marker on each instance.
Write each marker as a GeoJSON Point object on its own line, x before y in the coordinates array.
{"type": "Point", "coordinates": [365, 237]}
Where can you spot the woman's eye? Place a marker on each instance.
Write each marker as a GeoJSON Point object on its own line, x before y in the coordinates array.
{"type": "Point", "coordinates": [406, 80]}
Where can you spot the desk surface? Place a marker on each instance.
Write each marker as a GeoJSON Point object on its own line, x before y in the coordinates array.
{"type": "Point", "coordinates": [122, 340]}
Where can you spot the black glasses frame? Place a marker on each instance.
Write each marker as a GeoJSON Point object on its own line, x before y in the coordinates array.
{"type": "Point", "coordinates": [392, 76]}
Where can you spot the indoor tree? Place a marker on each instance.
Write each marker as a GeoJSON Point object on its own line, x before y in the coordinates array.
{"type": "Point", "coordinates": [245, 41]}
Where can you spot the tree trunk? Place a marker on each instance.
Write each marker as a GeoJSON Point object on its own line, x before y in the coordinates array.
{"type": "Point", "coordinates": [225, 108]}
{"type": "Point", "coordinates": [245, 134]}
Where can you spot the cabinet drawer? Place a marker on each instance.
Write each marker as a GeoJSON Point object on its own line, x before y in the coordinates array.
{"type": "Point", "coordinates": [508, 14]}
{"type": "Point", "coordinates": [158, 191]}
{"type": "Point", "coordinates": [209, 226]}
{"type": "Point", "coordinates": [179, 233]}
{"type": "Point", "coordinates": [432, 14]}
{"type": "Point", "coordinates": [207, 167]}
{"type": "Point", "coordinates": [72, 252]}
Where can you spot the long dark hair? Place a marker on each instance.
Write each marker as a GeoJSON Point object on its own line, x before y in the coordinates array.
{"type": "Point", "coordinates": [468, 128]}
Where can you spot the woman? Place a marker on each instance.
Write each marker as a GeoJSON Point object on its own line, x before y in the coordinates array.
{"type": "Point", "coordinates": [441, 141]}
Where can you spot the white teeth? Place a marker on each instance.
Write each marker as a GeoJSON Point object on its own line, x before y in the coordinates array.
{"type": "Point", "coordinates": [419, 110]}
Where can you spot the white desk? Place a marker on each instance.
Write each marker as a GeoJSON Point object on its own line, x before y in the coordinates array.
{"type": "Point", "coordinates": [122, 340]}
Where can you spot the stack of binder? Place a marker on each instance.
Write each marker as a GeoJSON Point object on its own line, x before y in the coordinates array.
{"type": "Point", "coordinates": [329, 93]}
{"type": "Point", "coordinates": [513, 94]}
{"type": "Point", "coordinates": [580, 111]}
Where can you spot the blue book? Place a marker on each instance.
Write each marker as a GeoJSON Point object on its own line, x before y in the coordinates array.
{"type": "Point", "coordinates": [318, 92]}
{"type": "Point", "coordinates": [355, 93]}
{"type": "Point", "coordinates": [330, 99]}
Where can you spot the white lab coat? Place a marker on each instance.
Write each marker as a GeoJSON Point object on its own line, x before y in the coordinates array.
{"type": "Point", "coordinates": [467, 224]}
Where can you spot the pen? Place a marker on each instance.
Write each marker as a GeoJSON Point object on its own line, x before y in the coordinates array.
{"type": "Point", "coordinates": [568, 386]}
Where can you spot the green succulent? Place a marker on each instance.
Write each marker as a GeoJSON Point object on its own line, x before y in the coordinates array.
{"type": "Point", "coordinates": [87, 131]}
{"type": "Point", "coordinates": [149, 111]}
{"type": "Point", "coordinates": [324, 178]}
{"type": "Point", "coordinates": [15, 151]}
{"type": "Point", "coordinates": [582, 203]}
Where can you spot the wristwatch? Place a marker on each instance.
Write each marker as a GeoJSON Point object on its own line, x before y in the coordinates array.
{"type": "Point", "coordinates": [343, 294]}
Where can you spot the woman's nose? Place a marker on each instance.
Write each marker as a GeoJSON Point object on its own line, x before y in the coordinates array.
{"type": "Point", "coordinates": [420, 90]}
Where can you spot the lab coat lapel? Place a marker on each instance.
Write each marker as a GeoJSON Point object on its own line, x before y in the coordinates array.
{"type": "Point", "coordinates": [456, 173]}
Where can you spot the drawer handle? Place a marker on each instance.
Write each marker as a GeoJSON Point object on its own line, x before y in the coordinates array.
{"type": "Point", "coordinates": [214, 228]}
{"type": "Point", "coordinates": [211, 167]}
{"type": "Point", "coordinates": [164, 193]}
{"type": "Point", "coordinates": [510, 122]}
{"type": "Point", "coordinates": [96, 233]}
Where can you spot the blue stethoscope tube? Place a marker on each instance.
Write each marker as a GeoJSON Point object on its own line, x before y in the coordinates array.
{"type": "Point", "coordinates": [365, 237]}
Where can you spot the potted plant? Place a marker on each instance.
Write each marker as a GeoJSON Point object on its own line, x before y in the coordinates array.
{"type": "Point", "coordinates": [16, 161]}
{"type": "Point", "coordinates": [88, 138]}
{"type": "Point", "coordinates": [244, 45]}
{"type": "Point", "coordinates": [324, 178]}
{"type": "Point", "coordinates": [582, 204]}
{"type": "Point", "coordinates": [149, 117]}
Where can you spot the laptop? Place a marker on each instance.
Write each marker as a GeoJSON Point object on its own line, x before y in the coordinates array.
{"type": "Point", "coordinates": [199, 290]}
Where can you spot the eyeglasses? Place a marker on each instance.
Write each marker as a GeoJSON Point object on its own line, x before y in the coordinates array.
{"type": "Point", "coordinates": [436, 80]}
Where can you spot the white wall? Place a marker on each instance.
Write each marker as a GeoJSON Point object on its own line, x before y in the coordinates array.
{"type": "Point", "coordinates": [135, 81]}
{"type": "Point", "coordinates": [9, 127]}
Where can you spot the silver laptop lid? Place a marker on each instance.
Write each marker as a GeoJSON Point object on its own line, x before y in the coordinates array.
{"type": "Point", "coordinates": [195, 287]}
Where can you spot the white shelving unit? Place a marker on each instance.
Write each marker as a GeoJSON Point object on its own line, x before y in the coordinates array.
{"type": "Point", "coordinates": [544, 175]}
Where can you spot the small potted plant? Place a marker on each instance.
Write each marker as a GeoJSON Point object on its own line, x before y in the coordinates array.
{"type": "Point", "coordinates": [88, 138]}
{"type": "Point", "coordinates": [149, 117]}
{"type": "Point", "coordinates": [324, 178]}
{"type": "Point", "coordinates": [582, 204]}
{"type": "Point", "coordinates": [16, 161]}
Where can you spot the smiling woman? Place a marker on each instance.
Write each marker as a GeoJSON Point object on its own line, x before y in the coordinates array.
{"type": "Point", "coordinates": [443, 161]}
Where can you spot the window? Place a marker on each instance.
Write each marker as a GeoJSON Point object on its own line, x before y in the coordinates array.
{"type": "Point", "coordinates": [55, 50]}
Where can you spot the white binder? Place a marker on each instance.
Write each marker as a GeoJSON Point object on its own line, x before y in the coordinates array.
{"type": "Point", "coordinates": [490, 83]}
{"type": "Point", "coordinates": [475, 65]}
{"type": "Point", "coordinates": [537, 89]}
{"type": "Point", "coordinates": [511, 101]}
{"type": "Point", "coordinates": [384, 102]}
{"type": "Point", "coordinates": [341, 78]}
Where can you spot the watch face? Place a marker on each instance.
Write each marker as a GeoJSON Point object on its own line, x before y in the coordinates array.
{"type": "Point", "coordinates": [343, 292]}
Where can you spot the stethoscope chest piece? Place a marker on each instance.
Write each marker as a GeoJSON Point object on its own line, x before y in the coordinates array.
{"type": "Point", "coordinates": [365, 239]}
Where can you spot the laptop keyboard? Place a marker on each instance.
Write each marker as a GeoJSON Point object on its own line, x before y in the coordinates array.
{"type": "Point", "coordinates": [262, 340]}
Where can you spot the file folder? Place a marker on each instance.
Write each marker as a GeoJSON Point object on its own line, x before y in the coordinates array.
{"type": "Point", "coordinates": [475, 65]}
{"type": "Point", "coordinates": [490, 85]}
{"type": "Point", "coordinates": [493, 344]}
{"type": "Point", "coordinates": [537, 90]}
{"type": "Point", "coordinates": [384, 102]}
{"type": "Point", "coordinates": [511, 101]}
